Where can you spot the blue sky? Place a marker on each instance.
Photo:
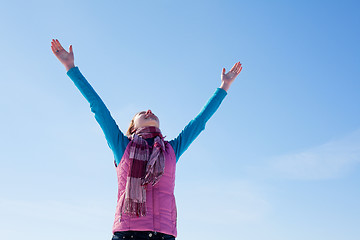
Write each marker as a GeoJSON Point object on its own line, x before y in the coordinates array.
{"type": "Point", "coordinates": [279, 159]}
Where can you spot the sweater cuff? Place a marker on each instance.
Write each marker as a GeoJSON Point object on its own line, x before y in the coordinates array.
{"type": "Point", "coordinates": [73, 72]}
{"type": "Point", "coordinates": [221, 92]}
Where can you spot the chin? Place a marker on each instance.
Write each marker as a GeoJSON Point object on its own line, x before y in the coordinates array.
{"type": "Point", "coordinates": [153, 125]}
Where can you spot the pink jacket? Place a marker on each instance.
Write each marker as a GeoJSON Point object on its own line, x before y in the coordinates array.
{"type": "Point", "coordinates": [160, 200]}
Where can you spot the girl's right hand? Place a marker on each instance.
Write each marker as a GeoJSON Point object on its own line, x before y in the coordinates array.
{"type": "Point", "coordinates": [66, 58]}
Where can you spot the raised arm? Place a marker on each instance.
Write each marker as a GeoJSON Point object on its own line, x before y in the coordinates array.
{"type": "Point", "coordinates": [114, 137]}
{"type": "Point", "coordinates": [197, 125]}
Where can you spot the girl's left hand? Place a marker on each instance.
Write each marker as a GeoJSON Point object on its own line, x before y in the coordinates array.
{"type": "Point", "coordinates": [228, 78]}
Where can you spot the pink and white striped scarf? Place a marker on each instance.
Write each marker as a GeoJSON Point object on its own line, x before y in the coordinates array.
{"type": "Point", "coordinates": [146, 167]}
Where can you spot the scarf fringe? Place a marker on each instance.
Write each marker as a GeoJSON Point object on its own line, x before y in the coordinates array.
{"type": "Point", "coordinates": [134, 209]}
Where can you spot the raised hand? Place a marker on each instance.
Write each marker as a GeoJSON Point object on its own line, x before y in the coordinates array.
{"type": "Point", "coordinates": [228, 78]}
{"type": "Point", "coordinates": [66, 58]}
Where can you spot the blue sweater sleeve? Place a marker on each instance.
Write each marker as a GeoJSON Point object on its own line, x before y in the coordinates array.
{"type": "Point", "coordinates": [197, 125]}
{"type": "Point", "coordinates": [114, 137]}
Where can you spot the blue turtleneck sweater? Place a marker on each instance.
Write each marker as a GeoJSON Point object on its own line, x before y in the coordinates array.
{"type": "Point", "coordinates": [117, 141]}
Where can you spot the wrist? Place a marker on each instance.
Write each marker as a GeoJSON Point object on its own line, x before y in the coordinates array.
{"type": "Point", "coordinates": [225, 86]}
{"type": "Point", "coordinates": [70, 66]}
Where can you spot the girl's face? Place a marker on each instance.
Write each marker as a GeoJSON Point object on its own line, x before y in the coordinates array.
{"type": "Point", "coordinates": [146, 119]}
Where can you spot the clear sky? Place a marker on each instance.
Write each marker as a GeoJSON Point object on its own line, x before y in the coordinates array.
{"type": "Point", "coordinates": [279, 160]}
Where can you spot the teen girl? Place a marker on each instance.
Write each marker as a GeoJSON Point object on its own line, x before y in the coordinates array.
{"type": "Point", "coordinates": [145, 162]}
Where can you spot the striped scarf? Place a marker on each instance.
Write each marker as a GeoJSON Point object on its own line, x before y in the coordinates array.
{"type": "Point", "coordinates": [146, 167]}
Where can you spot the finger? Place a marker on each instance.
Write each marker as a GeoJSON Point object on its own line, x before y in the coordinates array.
{"type": "Point", "coordinates": [60, 47]}
{"type": "Point", "coordinates": [238, 68]}
{"type": "Point", "coordinates": [53, 50]}
{"type": "Point", "coordinates": [233, 68]}
{"type": "Point", "coordinates": [55, 46]}
{"type": "Point", "coordinates": [55, 43]}
{"type": "Point", "coordinates": [223, 71]}
{"type": "Point", "coordinates": [70, 49]}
